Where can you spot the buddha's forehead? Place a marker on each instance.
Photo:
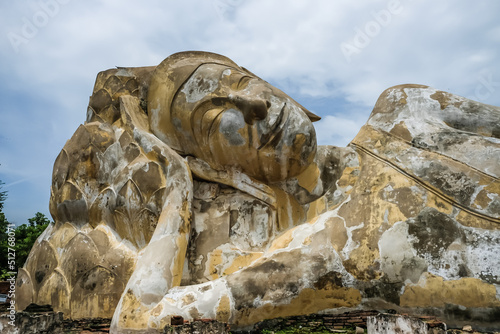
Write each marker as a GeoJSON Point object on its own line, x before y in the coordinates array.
{"type": "Point", "coordinates": [209, 78]}
{"type": "Point", "coordinates": [216, 73]}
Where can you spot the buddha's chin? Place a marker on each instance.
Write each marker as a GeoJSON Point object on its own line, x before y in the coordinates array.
{"type": "Point", "coordinates": [281, 162]}
{"type": "Point", "coordinates": [279, 167]}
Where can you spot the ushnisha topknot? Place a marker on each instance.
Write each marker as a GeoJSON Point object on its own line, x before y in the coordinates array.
{"type": "Point", "coordinates": [168, 78]}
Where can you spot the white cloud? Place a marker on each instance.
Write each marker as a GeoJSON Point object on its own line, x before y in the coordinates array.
{"type": "Point", "coordinates": [335, 130]}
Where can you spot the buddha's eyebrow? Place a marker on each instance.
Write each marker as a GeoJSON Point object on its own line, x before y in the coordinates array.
{"type": "Point", "coordinates": [237, 71]}
{"type": "Point", "coordinates": [235, 76]}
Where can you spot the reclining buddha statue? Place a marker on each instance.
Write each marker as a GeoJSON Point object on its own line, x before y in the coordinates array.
{"type": "Point", "coordinates": [197, 189]}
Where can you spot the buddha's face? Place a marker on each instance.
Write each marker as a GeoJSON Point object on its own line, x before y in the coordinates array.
{"type": "Point", "coordinates": [229, 117]}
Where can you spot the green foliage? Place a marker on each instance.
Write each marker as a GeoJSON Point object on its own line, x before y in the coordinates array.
{"type": "Point", "coordinates": [24, 238]}
{"type": "Point", "coordinates": [3, 246]}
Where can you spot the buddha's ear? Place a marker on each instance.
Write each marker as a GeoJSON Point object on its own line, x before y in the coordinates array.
{"type": "Point", "coordinates": [313, 117]}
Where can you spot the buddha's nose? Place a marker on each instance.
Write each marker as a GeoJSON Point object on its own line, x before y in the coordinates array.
{"type": "Point", "coordinates": [252, 107]}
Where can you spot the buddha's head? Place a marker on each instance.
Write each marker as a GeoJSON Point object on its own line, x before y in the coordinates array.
{"type": "Point", "coordinates": [203, 104]}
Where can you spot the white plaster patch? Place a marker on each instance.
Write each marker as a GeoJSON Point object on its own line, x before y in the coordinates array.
{"type": "Point", "coordinates": [304, 231]}
{"type": "Point", "coordinates": [483, 247]}
{"type": "Point", "coordinates": [206, 297]}
{"type": "Point", "coordinates": [149, 282]}
{"type": "Point", "coordinates": [350, 244]}
{"type": "Point", "coordinates": [493, 197]}
{"type": "Point", "coordinates": [396, 252]}
{"type": "Point", "coordinates": [386, 217]}
{"type": "Point", "coordinates": [176, 293]}
{"type": "Point", "coordinates": [395, 95]}
{"type": "Point", "coordinates": [199, 86]}
{"type": "Point", "coordinates": [230, 123]}
{"type": "Point", "coordinates": [449, 263]}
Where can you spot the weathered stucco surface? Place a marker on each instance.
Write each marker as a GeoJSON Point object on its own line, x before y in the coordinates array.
{"type": "Point", "coordinates": [197, 189]}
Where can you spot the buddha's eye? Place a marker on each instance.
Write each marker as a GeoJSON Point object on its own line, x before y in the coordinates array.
{"type": "Point", "coordinates": [243, 82]}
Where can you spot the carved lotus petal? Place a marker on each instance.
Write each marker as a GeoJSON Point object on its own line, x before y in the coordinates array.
{"type": "Point", "coordinates": [41, 262]}
{"type": "Point", "coordinates": [100, 100]}
{"type": "Point", "coordinates": [109, 114]}
{"type": "Point", "coordinates": [102, 135]}
{"type": "Point", "coordinates": [92, 116]}
{"type": "Point", "coordinates": [132, 86]}
{"type": "Point", "coordinates": [132, 151]}
{"type": "Point", "coordinates": [121, 92]}
{"type": "Point", "coordinates": [156, 201]}
{"type": "Point", "coordinates": [96, 294]}
{"type": "Point", "coordinates": [113, 162]}
{"type": "Point", "coordinates": [137, 226]}
{"type": "Point", "coordinates": [24, 289]}
{"type": "Point", "coordinates": [62, 235]}
{"type": "Point", "coordinates": [79, 256]}
{"type": "Point", "coordinates": [128, 205]}
{"type": "Point", "coordinates": [101, 237]}
{"type": "Point", "coordinates": [72, 206]}
{"type": "Point", "coordinates": [81, 138]}
{"type": "Point", "coordinates": [145, 226]}
{"type": "Point", "coordinates": [55, 292]}
{"type": "Point", "coordinates": [120, 260]}
{"type": "Point", "coordinates": [149, 178]}
{"type": "Point", "coordinates": [113, 84]}
{"type": "Point", "coordinates": [129, 198]}
{"type": "Point", "coordinates": [86, 164]}
{"type": "Point", "coordinates": [101, 210]}
{"type": "Point", "coordinates": [60, 172]}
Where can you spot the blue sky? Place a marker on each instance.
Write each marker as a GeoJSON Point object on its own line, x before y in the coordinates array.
{"type": "Point", "coordinates": [334, 57]}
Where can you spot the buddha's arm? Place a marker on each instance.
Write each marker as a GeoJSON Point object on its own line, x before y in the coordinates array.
{"type": "Point", "coordinates": [160, 263]}
{"type": "Point", "coordinates": [159, 267]}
